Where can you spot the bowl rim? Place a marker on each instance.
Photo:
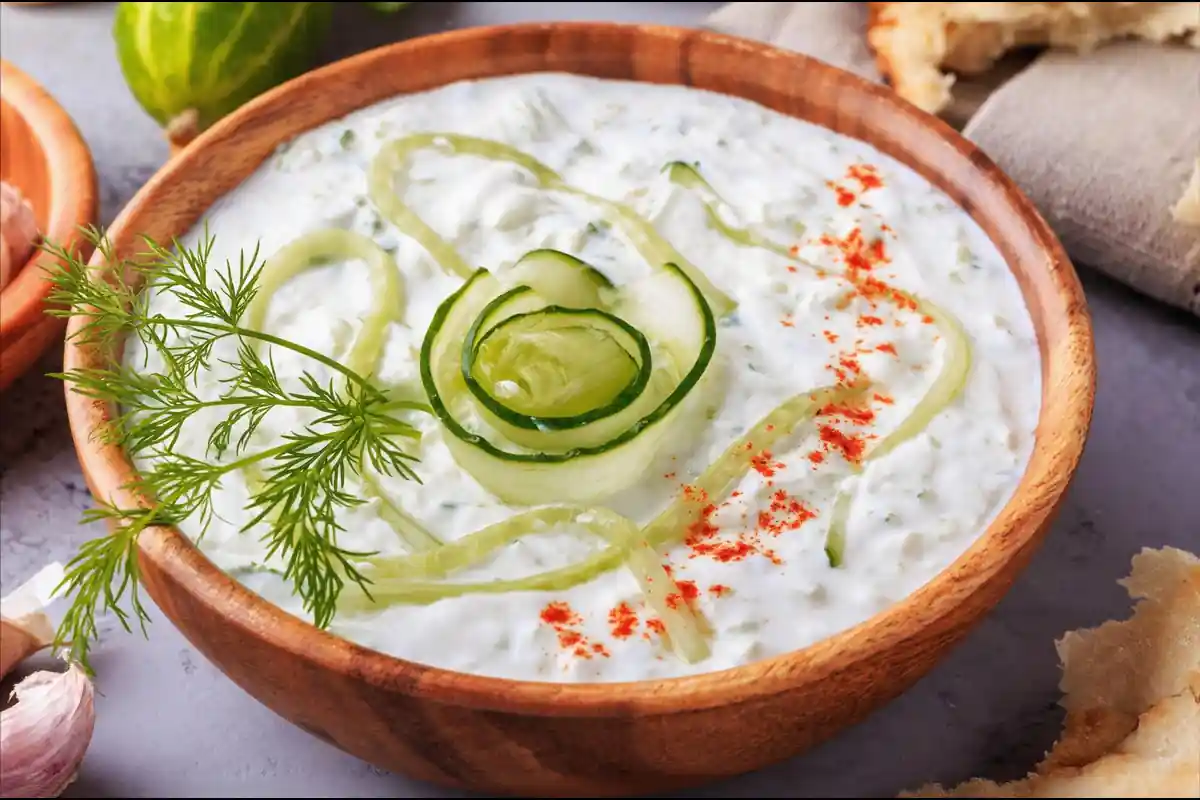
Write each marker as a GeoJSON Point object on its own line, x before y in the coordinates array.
{"type": "Point", "coordinates": [73, 197]}
{"type": "Point", "coordinates": [1070, 364]}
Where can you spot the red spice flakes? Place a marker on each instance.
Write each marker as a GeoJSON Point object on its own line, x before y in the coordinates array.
{"type": "Point", "coordinates": [887, 347]}
{"type": "Point", "coordinates": [786, 514]}
{"type": "Point", "coordinates": [845, 197]}
{"type": "Point", "coordinates": [928, 320]}
{"type": "Point", "coordinates": [563, 619]}
{"type": "Point", "coordinates": [794, 249]}
{"type": "Point", "coordinates": [787, 322]}
{"type": "Point", "coordinates": [702, 527]}
{"type": "Point", "coordinates": [654, 625]}
{"type": "Point", "coordinates": [866, 175]}
{"type": "Point", "coordinates": [764, 464]}
{"type": "Point", "coordinates": [850, 446]}
{"type": "Point", "coordinates": [669, 476]}
{"type": "Point", "coordinates": [869, 320]}
{"type": "Point", "coordinates": [623, 621]}
{"type": "Point", "coordinates": [719, 590]}
{"type": "Point", "coordinates": [560, 615]}
{"type": "Point", "coordinates": [792, 268]}
{"type": "Point", "coordinates": [830, 336]}
{"type": "Point", "coordinates": [769, 428]}
{"type": "Point", "coordinates": [688, 592]}
{"type": "Point", "coordinates": [874, 290]}
{"type": "Point", "coordinates": [705, 540]}
{"type": "Point", "coordinates": [856, 414]}
{"type": "Point", "coordinates": [816, 457]}
{"type": "Point", "coordinates": [883, 398]}
{"type": "Point", "coordinates": [847, 369]}
{"type": "Point", "coordinates": [857, 253]}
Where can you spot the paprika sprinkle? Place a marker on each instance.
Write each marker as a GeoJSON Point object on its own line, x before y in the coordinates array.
{"type": "Point", "coordinates": [565, 622]}
{"type": "Point", "coordinates": [623, 621]}
{"type": "Point", "coordinates": [764, 464]}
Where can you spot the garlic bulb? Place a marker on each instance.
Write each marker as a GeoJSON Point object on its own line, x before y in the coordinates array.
{"type": "Point", "coordinates": [44, 736]}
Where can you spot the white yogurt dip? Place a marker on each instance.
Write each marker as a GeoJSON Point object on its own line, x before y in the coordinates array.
{"type": "Point", "coordinates": [755, 567]}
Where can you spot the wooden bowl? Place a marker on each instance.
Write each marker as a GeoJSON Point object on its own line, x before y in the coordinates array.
{"type": "Point", "coordinates": [43, 155]}
{"type": "Point", "coordinates": [514, 737]}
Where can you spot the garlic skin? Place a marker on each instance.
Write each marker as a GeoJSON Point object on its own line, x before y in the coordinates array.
{"type": "Point", "coordinates": [19, 641]}
{"type": "Point", "coordinates": [24, 626]}
{"type": "Point", "coordinates": [44, 736]}
{"type": "Point", "coordinates": [18, 232]}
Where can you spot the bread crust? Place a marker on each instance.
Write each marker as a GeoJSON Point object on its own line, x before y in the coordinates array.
{"type": "Point", "coordinates": [1131, 689]}
{"type": "Point", "coordinates": [919, 46]}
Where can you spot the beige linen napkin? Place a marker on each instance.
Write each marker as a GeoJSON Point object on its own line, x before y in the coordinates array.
{"type": "Point", "coordinates": [1102, 143]}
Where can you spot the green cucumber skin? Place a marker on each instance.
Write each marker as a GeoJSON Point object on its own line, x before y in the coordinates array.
{"type": "Point", "coordinates": [708, 347]}
{"type": "Point", "coordinates": [175, 32]}
{"type": "Point", "coordinates": [631, 392]}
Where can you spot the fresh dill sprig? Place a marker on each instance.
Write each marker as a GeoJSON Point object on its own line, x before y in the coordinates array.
{"type": "Point", "coordinates": [298, 487]}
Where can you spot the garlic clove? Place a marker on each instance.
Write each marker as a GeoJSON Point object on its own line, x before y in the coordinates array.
{"type": "Point", "coordinates": [44, 737]}
{"type": "Point", "coordinates": [18, 642]}
{"type": "Point", "coordinates": [24, 626]}
{"type": "Point", "coordinates": [18, 232]}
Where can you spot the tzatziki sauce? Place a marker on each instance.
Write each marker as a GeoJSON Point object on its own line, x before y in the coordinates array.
{"type": "Point", "coordinates": [756, 570]}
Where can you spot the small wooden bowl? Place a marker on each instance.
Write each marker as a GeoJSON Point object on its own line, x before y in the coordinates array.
{"type": "Point", "coordinates": [43, 156]}
{"type": "Point", "coordinates": [514, 737]}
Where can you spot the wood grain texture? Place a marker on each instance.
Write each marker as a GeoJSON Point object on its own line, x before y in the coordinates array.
{"type": "Point", "coordinates": [540, 739]}
{"type": "Point", "coordinates": [44, 156]}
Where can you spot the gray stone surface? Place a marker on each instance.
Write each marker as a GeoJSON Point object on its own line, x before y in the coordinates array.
{"type": "Point", "coordinates": [169, 724]}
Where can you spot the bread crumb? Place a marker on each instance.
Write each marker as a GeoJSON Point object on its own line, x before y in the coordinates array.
{"type": "Point", "coordinates": [1132, 694]}
{"type": "Point", "coordinates": [917, 45]}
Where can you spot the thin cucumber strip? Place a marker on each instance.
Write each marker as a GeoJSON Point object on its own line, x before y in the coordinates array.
{"type": "Point", "coordinates": [946, 387]}
{"type": "Point", "coordinates": [314, 250]}
{"type": "Point", "coordinates": [561, 278]}
{"type": "Point", "coordinates": [835, 536]}
{"type": "Point", "coordinates": [689, 177]}
{"type": "Point", "coordinates": [390, 168]}
{"type": "Point", "coordinates": [719, 479]}
{"type": "Point", "coordinates": [416, 536]}
{"type": "Point", "coordinates": [412, 578]}
{"type": "Point", "coordinates": [685, 633]}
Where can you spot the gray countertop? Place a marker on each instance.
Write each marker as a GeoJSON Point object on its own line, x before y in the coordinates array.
{"type": "Point", "coordinates": [170, 724]}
